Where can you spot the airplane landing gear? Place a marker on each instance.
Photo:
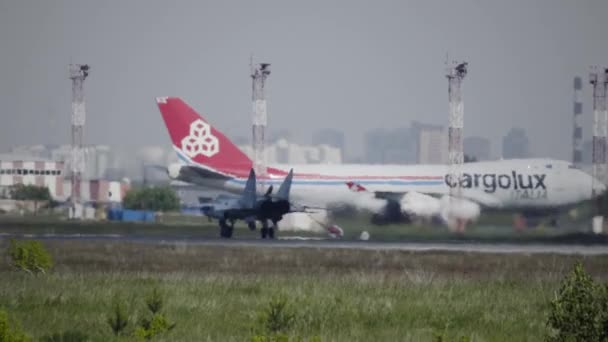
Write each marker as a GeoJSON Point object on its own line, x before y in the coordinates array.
{"type": "Point", "coordinates": [267, 232]}
{"type": "Point", "coordinates": [251, 225]}
{"type": "Point", "coordinates": [272, 229]}
{"type": "Point", "coordinates": [226, 229]}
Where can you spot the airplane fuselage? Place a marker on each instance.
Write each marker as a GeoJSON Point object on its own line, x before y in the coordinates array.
{"type": "Point", "coordinates": [212, 160]}
{"type": "Point", "coordinates": [525, 183]}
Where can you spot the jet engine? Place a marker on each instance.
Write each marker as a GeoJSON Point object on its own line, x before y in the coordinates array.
{"type": "Point", "coordinates": [173, 170]}
{"type": "Point", "coordinates": [456, 212]}
{"type": "Point", "coordinates": [420, 205]}
{"type": "Point", "coordinates": [391, 213]}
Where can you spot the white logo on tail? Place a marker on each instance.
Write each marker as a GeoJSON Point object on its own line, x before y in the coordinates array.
{"type": "Point", "coordinates": [200, 140]}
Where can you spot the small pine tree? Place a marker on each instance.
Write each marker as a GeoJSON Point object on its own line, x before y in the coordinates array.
{"type": "Point", "coordinates": [158, 323]}
{"type": "Point", "coordinates": [576, 310]}
{"type": "Point", "coordinates": [154, 301]}
{"type": "Point", "coordinates": [118, 320]}
{"type": "Point", "coordinates": [277, 316]}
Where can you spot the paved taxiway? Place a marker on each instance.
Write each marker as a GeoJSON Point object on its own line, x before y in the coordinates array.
{"type": "Point", "coordinates": [452, 246]}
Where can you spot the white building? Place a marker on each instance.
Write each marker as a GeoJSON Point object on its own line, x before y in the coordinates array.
{"type": "Point", "coordinates": [28, 170]}
{"type": "Point", "coordinates": [98, 190]}
{"type": "Point", "coordinates": [284, 152]}
{"type": "Point", "coordinates": [31, 171]}
{"type": "Point", "coordinates": [432, 145]}
{"type": "Point", "coordinates": [97, 159]}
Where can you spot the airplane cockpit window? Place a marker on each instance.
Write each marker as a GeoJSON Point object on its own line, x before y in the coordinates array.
{"type": "Point", "coordinates": [572, 166]}
{"type": "Point", "coordinates": [549, 166]}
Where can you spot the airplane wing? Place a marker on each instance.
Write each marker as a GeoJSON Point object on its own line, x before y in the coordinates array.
{"type": "Point", "coordinates": [481, 198]}
{"type": "Point", "coordinates": [300, 208]}
{"type": "Point", "coordinates": [421, 204]}
{"type": "Point", "coordinates": [191, 171]}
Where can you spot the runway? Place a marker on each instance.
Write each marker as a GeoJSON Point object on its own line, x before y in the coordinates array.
{"type": "Point", "coordinates": [295, 242]}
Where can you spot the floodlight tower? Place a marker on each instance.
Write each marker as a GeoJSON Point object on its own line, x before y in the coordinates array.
{"type": "Point", "coordinates": [259, 73]}
{"type": "Point", "coordinates": [577, 134]}
{"type": "Point", "coordinates": [78, 73]}
{"type": "Point", "coordinates": [598, 78]}
{"type": "Point", "coordinates": [455, 73]}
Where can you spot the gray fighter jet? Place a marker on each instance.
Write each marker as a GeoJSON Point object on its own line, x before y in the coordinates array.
{"type": "Point", "coordinates": [251, 207]}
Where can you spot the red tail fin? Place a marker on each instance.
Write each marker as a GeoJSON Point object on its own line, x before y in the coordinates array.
{"type": "Point", "coordinates": [195, 140]}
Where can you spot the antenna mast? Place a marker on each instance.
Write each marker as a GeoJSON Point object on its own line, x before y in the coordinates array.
{"type": "Point", "coordinates": [455, 73]}
{"type": "Point", "coordinates": [259, 73]}
{"type": "Point", "coordinates": [577, 134]}
{"type": "Point", "coordinates": [78, 73]}
{"type": "Point", "coordinates": [599, 81]}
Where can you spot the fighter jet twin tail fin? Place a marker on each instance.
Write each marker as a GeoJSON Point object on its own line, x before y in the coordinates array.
{"type": "Point", "coordinates": [249, 197]}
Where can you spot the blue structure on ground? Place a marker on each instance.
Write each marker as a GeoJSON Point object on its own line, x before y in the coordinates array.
{"type": "Point", "coordinates": [127, 215]}
{"type": "Point", "coordinates": [192, 211]}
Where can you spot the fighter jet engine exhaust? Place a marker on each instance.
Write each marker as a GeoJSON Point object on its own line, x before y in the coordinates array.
{"type": "Point", "coordinates": [173, 170]}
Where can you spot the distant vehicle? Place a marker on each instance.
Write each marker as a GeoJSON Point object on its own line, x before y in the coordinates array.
{"type": "Point", "coordinates": [529, 186]}
{"type": "Point", "coordinates": [250, 207]}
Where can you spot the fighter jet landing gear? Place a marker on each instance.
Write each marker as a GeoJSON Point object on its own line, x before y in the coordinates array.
{"type": "Point", "coordinates": [264, 229]}
{"type": "Point", "coordinates": [271, 230]}
{"type": "Point", "coordinates": [226, 228]}
{"type": "Point", "coordinates": [268, 232]}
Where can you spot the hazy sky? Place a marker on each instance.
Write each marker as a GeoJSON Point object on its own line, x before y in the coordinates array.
{"type": "Point", "coordinates": [354, 65]}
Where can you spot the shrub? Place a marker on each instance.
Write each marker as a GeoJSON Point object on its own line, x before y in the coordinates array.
{"type": "Point", "coordinates": [154, 198]}
{"type": "Point", "coordinates": [118, 320]}
{"type": "Point", "coordinates": [34, 193]}
{"type": "Point", "coordinates": [30, 193]}
{"type": "Point", "coordinates": [576, 311]}
{"type": "Point", "coordinates": [10, 333]}
{"type": "Point", "coordinates": [30, 256]}
{"type": "Point", "coordinates": [277, 316]}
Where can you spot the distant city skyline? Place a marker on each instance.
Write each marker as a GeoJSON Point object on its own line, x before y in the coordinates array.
{"type": "Point", "coordinates": [516, 144]}
{"type": "Point", "coordinates": [350, 65]}
{"type": "Point", "coordinates": [479, 148]}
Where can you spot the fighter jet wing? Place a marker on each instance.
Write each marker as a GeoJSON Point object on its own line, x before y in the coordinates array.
{"type": "Point", "coordinates": [300, 208]}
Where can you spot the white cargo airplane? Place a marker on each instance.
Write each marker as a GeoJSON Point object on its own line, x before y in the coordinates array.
{"type": "Point", "coordinates": [210, 159]}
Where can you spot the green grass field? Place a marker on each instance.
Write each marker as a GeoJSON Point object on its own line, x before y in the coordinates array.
{"type": "Point", "coordinates": [217, 293]}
